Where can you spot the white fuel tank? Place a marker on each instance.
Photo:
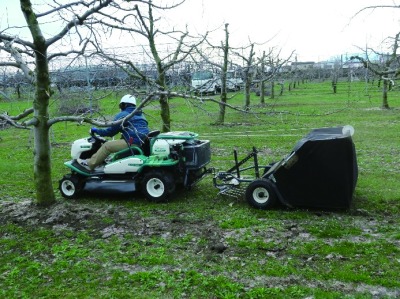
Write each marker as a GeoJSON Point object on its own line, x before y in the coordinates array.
{"type": "Point", "coordinates": [131, 164]}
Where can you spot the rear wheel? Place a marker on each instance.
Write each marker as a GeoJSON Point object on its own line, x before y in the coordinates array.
{"type": "Point", "coordinates": [157, 185]}
{"type": "Point", "coordinates": [260, 194]}
{"type": "Point", "coordinates": [70, 186]}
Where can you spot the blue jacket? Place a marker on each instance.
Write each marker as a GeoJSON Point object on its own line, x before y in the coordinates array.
{"type": "Point", "coordinates": [134, 129]}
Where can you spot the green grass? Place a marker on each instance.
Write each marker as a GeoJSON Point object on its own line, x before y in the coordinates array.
{"type": "Point", "coordinates": [109, 247]}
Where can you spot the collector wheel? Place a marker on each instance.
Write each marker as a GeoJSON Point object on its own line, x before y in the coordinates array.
{"type": "Point", "coordinates": [157, 185]}
{"type": "Point", "coordinates": [261, 195]}
{"type": "Point", "coordinates": [70, 186]}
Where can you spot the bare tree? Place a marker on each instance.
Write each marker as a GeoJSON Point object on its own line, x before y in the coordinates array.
{"type": "Point", "coordinates": [84, 24]}
{"type": "Point", "coordinates": [387, 69]}
{"type": "Point", "coordinates": [222, 67]}
{"type": "Point", "coordinates": [145, 24]}
{"type": "Point", "coordinates": [269, 65]}
{"type": "Point", "coordinates": [32, 57]}
{"type": "Point", "coordinates": [250, 69]}
{"type": "Point", "coordinates": [263, 70]}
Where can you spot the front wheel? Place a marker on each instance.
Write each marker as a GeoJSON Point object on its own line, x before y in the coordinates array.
{"type": "Point", "coordinates": [70, 186]}
{"type": "Point", "coordinates": [260, 194]}
{"type": "Point", "coordinates": [157, 185]}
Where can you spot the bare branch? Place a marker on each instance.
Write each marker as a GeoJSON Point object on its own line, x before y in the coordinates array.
{"type": "Point", "coordinates": [15, 39]}
{"type": "Point", "coordinates": [79, 20]}
{"type": "Point", "coordinates": [149, 2]}
{"type": "Point", "coordinates": [19, 61]}
{"type": "Point", "coordinates": [82, 119]}
{"type": "Point", "coordinates": [67, 53]}
{"type": "Point", "coordinates": [60, 7]}
{"type": "Point", "coordinates": [373, 7]}
{"type": "Point", "coordinates": [9, 63]}
{"type": "Point", "coordinates": [12, 120]}
{"type": "Point", "coordinates": [385, 69]}
{"type": "Point", "coordinates": [4, 95]}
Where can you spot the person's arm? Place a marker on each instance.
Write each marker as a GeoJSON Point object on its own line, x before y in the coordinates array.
{"type": "Point", "coordinates": [112, 130]}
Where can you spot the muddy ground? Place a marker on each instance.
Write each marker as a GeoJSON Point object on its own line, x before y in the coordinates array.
{"type": "Point", "coordinates": [165, 224]}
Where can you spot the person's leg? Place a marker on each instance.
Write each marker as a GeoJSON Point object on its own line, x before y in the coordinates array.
{"type": "Point", "coordinates": [107, 148]}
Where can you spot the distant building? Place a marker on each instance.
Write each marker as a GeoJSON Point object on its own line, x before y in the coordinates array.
{"type": "Point", "coordinates": [325, 65]}
{"type": "Point", "coordinates": [302, 65]}
{"type": "Point", "coordinates": [352, 64]}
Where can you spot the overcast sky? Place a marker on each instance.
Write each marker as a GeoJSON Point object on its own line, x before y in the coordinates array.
{"type": "Point", "coordinates": [315, 29]}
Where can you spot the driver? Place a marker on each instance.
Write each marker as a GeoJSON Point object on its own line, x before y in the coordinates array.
{"type": "Point", "coordinates": [134, 130]}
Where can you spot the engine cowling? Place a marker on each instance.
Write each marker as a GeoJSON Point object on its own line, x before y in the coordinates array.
{"type": "Point", "coordinates": [79, 146]}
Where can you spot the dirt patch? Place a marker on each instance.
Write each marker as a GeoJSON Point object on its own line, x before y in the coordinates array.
{"type": "Point", "coordinates": [119, 220]}
{"type": "Point", "coordinates": [220, 246]}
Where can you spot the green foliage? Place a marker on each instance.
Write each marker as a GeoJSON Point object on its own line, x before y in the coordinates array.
{"type": "Point", "coordinates": [168, 250]}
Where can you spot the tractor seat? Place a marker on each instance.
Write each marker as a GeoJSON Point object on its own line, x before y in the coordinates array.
{"type": "Point", "coordinates": [146, 144]}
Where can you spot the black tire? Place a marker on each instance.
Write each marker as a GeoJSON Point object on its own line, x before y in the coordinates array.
{"type": "Point", "coordinates": [70, 186]}
{"type": "Point", "coordinates": [260, 194]}
{"type": "Point", "coordinates": [157, 185]}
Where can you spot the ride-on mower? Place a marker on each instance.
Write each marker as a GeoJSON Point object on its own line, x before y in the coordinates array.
{"type": "Point", "coordinates": [164, 161]}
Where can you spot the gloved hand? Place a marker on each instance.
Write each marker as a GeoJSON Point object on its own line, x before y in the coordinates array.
{"type": "Point", "coordinates": [93, 130]}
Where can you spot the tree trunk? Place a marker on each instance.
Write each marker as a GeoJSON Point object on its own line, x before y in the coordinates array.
{"type": "Point", "coordinates": [42, 165]}
{"type": "Point", "coordinates": [248, 77]}
{"type": "Point", "coordinates": [225, 47]}
{"type": "Point", "coordinates": [165, 114]}
{"type": "Point", "coordinates": [18, 90]}
{"type": "Point", "coordinates": [42, 160]}
{"type": "Point", "coordinates": [262, 93]}
{"type": "Point", "coordinates": [247, 94]}
{"type": "Point", "coordinates": [221, 114]}
{"type": "Point", "coordinates": [42, 150]}
{"type": "Point", "coordinates": [161, 81]}
{"type": "Point", "coordinates": [272, 89]}
{"type": "Point", "coordinates": [334, 83]}
{"type": "Point", "coordinates": [385, 103]}
{"type": "Point", "coordinates": [42, 157]}
{"type": "Point", "coordinates": [262, 90]}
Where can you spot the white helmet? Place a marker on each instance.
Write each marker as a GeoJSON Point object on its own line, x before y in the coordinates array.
{"type": "Point", "coordinates": [129, 99]}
